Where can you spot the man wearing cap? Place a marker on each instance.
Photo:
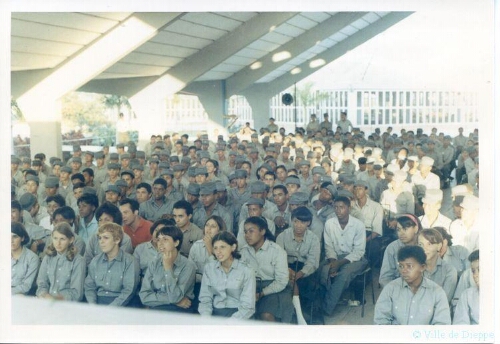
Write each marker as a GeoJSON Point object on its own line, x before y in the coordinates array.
{"type": "Point", "coordinates": [448, 158]}
{"type": "Point", "coordinates": [76, 165]}
{"type": "Point", "coordinates": [128, 176]}
{"type": "Point", "coordinates": [29, 202]}
{"type": "Point", "coordinates": [425, 179]}
{"type": "Point", "coordinates": [100, 169]}
{"type": "Point", "coordinates": [326, 124]}
{"type": "Point", "coordinates": [208, 197]}
{"type": "Point", "coordinates": [284, 158]}
{"type": "Point", "coordinates": [77, 153]}
{"type": "Point", "coordinates": [344, 124]}
{"type": "Point", "coordinates": [273, 128]}
{"type": "Point", "coordinates": [255, 207]}
{"type": "Point", "coordinates": [372, 215]}
{"type": "Point", "coordinates": [239, 195]}
{"type": "Point", "coordinates": [65, 185]}
{"type": "Point", "coordinates": [37, 234]}
{"type": "Point", "coordinates": [158, 205]}
{"type": "Point", "coordinates": [259, 189]}
{"type": "Point", "coordinates": [465, 230]}
{"type": "Point", "coordinates": [51, 188]}
{"type": "Point", "coordinates": [32, 186]}
{"type": "Point", "coordinates": [15, 173]}
{"type": "Point", "coordinates": [345, 241]}
{"type": "Point", "coordinates": [37, 166]}
{"type": "Point", "coordinates": [113, 177]}
{"type": "Point", "coordinates": [431, 204]}
{"type": "Point", "coordinates": [313, 125]}
{"type": "Point", "coordinates": [398, 198]}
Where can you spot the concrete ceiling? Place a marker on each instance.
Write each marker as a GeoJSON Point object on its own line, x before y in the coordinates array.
{"type": "Point", "coordinates": [42, 42]}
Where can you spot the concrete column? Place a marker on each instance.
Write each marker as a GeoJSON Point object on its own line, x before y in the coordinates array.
{"type": "Point", "coordinates": [151, 116]}
{"type": "Point", "coordinates": [260, 109]}
{"type": "Point", "coordinates": [45, 124]}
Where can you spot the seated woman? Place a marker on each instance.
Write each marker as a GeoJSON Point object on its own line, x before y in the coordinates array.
{"type": "Point", "coordinates": [201, 252]}
{"type": "Point", "coordinates": [228, 286]}
{"type": "Point", "coordinates": [107, 212]}
{"type": "Point", "coordinates": [268, 259]}
{"type": "Point", "coordinates": [303, 250]}
{"type": "Point", "coordinates": [24, 263]}
{"type": "Point", "coordinates": [62, 271]}
{"type": "Point", "coordinates": [467, 311]}
{"type": "Point", "coordinates": [169, 280]}
{"type": "Point", "coordinates": [436, 269]}
{"type": "Point", "coordinates": [113, 274]}
{"type": "Point", "coordinates": [412, 299]}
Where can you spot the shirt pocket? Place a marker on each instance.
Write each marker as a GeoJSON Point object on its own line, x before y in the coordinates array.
{"type": "Point", "coordinates": [235, 287]}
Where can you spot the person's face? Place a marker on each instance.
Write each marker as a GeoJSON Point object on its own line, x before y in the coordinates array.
{"type": "Point", "coordinates": [158, 191]}
{"type": "Point", "coordinates": [210, 167]}
{"type": "Point", "coordinates": [341, 210]}
{"type": "Point", "coordinates": [292, 188]}
{"type": "Point", "coordinates": [304, 169]}
{"type": "Point", "coordinates": [431, 208]}
{"type": "Point", "coordinates": [105, 218]}
{"type": "Point", "coordinates": [281, 174]}
{"type": "Point", "coordinates": [142, 195]}
{"type": "Point", "coordinates": [15, 242]}
{"type": "Point", "coordinates": [208, 200]}
{"type": "Point", "coordinates": [410, 270]}
{"type": "Point", "coordinates": [50, 191]}
{"type": "Point", "coordinates": [181, 218]}
{"type": "Point", "coordinates": [56, 170]}
{"type": "Point", "coordinates": [113, 173]}
{"type": "Point", "coordinates": [107, 243]}
{"type": "Point", "coordinates": [166, 243]}
{"type": "Point", "coordinates": [474, 266]}
{"type": "Point", "coordinates": [85, 209]}
{"type": "Point", "coordinates": [168, 179]}
{"type": "Point", "coordinates": [137, 174]}
{"type": "Point", "coordinates": [407, 235]}
{"type": "Point", "coordinates": [200, 178]}
{"type": "Point", "coordinates": [61, 242]}
{"type": "Point", "coordinates": [359, 192]}
{"type": "Point", "coordinates": [430, 249]}
{"type": "Point", "coordinates": [87, 177]}
{"type": "Point", "coordinates": [300, 227]}
{"type": "Point", "coordinates": [128, 215]}
{"type": "Point", "coordinates": [247, 168]}
{"type": "Point", "coordinates": [51, 207]}
{"type": "Point", "coordinates": [59, 218]}
{"type": "Point", "coordinates": [211, 228]}
{"type": "Point", "coordinates": [31, 186]}
{"type": "Point", "coordinates": [457, 210]}
{"type": "Point", "coordinates": [253, 235]}
{"type": "Point", "coordinates": [241, 182]}
{"type": "Point", "coordinates": [254, 210]}
{"type": "Point", "coordinates": [192, 198]}
{"type": "Point", "coordinates": [279, 197]}
{"type": "Point", "coordinates": [78, 193]}
{"type": "Point", "coordinates": [75, 165]}
{"type": "Point", "coordinates": [128, 179]}
{"type": "Point", "coordinates": [223, 251]}
{"type": "Point", "coordinates": [112, 197]}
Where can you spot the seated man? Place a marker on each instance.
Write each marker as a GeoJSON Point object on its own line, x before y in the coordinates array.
{"type": "Point", "coordinates": [467, 311]}
{"type": "Point", "coordinates": [412, 299]}
{"type": "Point", "coordinates": [345, 241]}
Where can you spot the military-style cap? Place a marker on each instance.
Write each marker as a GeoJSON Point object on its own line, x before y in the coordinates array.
{"type": "Point", "coordinates": [33, 178]}
{"type": "Point", "coordinates": [191, 171]}
{"type": "Point", "coordinates": [267, 166]}
{"type": "Point", "coordinates": [66, 169]}
{"type": "Point", "coordinates": [304, 163]}
{"type": "Point", "coordinates": [167, 172]}
{"type": "Point", "coordinates": [178, 167]}
{"type": "Point", "coordinates": [51, 182]}
{"type": "Point", "coordinates": [89, 190]}
{"type": "Point", "coordinates": [220, 186]}
{"type": "Point", "coordinates": [201, 170]}
{"type": "Point", "coordinates": [240, 159]}
{"type": "Point", "coordinates": [292, 180]}
{"type": "Point", "coordinates": [332, 190]}
{"type": "Point", "coordinates": [255, 201]}
{"type": "Point", "coordinates": [92, 154]}
{"type": "Point", "coordinates": [362, 183]}
{"type": "Point", "coordinates": [349, 179]}
{"type": "Point", "coordinates": [377, 167]}
{"type": "Point", "coordinates": [174, 158]}
{"type": "Point", "coordinates": [345, 193]}
{"type": "Point", "coordinates": [207, 188]}
{"type": "Point", "coordinates": [138, 167]}
{"type": "Point", "coordinates": [240, 173]}
{"type": "Point", "coordinates": [193, 189]}
{"type": "Point", "coordinates": [432, 196]}
{"type": "Point", "coordinates": [186, 159]}
{"type": "Point", "coordinates": [203, 154]}
{"type": "Point", "coordinates": [27, 201]}
{"type": "Point", "coordinates": [99, 155]}
{"type": "Point", "coordinates": [125, 156]}
{"type": "Point", "coordinates": [121, 183]}
{"type": "Point", "coordinates": [15, 160]}
{"type": "Point", "coordinates": [318, 170]}
{"type": "Point", "coordinates": [36, 162]}
{"type": "Point", "coordinates": [258, 187]}
{"type": "Point", "coordinates": [113, 188]}
{"type": "Point", "coordinates": [285, 149]}
{"type": "Point", "coordinates": [120, 145]}
{"type": "Point", "coordinates": [233, 153]}
{"type": "Point", "coordinates": [114, 166]}
{"type": "Point", "coordinates": [325, 178]}
{"type": "Point", "coordinates": [140, 154]}
{"type": "Point", "coordinates": [427, 161]}
{"type": "Point", "coordinates": [77, 148]}
{"type": "Point", "coordinates": [163, 165]}
{"type": "Point", "coordinates": [299, 198]}
{"type": "Point", "coordinates": [231, 176]}
{"type": "Point", "coordinates": [114, 156]}
{"type": "Point", "coordinates": [470, 202]}
{"type": "Point", "coordinates": [76, 159]}
{"type": "Point", "coordinates": [205, 142]}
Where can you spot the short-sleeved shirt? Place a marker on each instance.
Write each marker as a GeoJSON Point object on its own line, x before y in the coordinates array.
{"type": "Point", "coordinates": [189, 237]}
{"type": "Point", "coordinates": [306, 251]}
{"type": "Point", "coordinates": [141, 234]}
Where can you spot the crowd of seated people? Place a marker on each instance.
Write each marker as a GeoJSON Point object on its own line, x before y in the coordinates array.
{"type": "Point", "coordinates": [261, 226]}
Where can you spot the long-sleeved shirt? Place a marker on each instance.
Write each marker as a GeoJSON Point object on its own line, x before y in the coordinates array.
{"type": "Point", "coordinates": [116, 278]}
{"type": "Point", "coordinates": [398, 203]}
{"type": "Point", "coordinates": [269, 264]}
{"type": "Point", "coordinates": [441, 221]}
{"type": "Point", "coordinates": [241, 230]}
{"type": "Point", "coordinates": [389, 269]}
{"type": "Point", "coordinates": [58, 275]}
{"type": "Point", "coordinates": [151, 211]}
{"type": "Point", "coordinates": [189, 237]}
{"type": "Point", "coordinates": [372, 215]}
{"type": "Point", "coordinates": [93, 248]}
{"type": "Point", "coordinates": [466, 281]}
{"type": "Point", "coordinates": [201, 216]}
{"type": "Point", "coordinates": [457, 255]}
{"type": "Point", "coordinates": [467, 312]}
{"type": "Point", "coordinates": [144, 254]}
{"type": "Point", "coordinates": [350, 241]}
{"type": "Point", "coordinates": [467, 237]}
{"type": "Point", "coordinates": [445, 275]}
{"type": "Point", "coordinates": [397, 305]}
{"type": "Point", "coordinates": [234, 289]}
{"type": "Point", "coordinates": [164, 287]}
{"type": "Point", "coordinates": [306, 251]}
{"type": "Point", "coordinates": [24, 271]}
{"type": "Point", "coordinates": [199, 255]}
{"type": "Point", "coordinates": [87, 231]}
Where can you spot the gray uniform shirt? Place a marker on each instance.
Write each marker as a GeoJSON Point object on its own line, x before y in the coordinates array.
{"type": "Point", "coordinates": [189, 237]}
{"type": "Point", "coordinates": [397, 305]}
{"type": "Point", "coordinates": [234, 289]}
{"type": "Point", "coordinates": [199, 255]}
{"type": "Point", "coordinates": [58, 275]}
{"type": "Point", "coordinates": [306, 251]}
{"type": "Point", "coordinates": [93, 248]}
{"type": "Point", "coordinates": [467, 312]}
{"type": "Point", "coordinates": [445, 275]}
{"type": "Point", "coordinates": [162, 287]}
{"type": "Point", "coordinates": [144, 254]}
{"type": "Point", "coordinates": [389, 269]}
{"type": "Point", "coordinates": [151, 211]}
{"type": "Point", "coordinates": [23, 271]}
{"type": "Point", "coordinates": [116, 278]}
{"type": "Point", "coordinates": [350, 241]}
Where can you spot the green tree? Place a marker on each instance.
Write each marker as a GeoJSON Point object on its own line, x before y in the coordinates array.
{"type": "Point", "coordinates": [117, 103]}
{"type": "Point", "coordinates": [307, 96]}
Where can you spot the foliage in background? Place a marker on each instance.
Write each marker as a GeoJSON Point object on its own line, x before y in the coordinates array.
{"type": "Point", "coordinates": [307, 96]}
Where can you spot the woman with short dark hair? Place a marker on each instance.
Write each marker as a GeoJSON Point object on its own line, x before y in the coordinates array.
{"type": "Point", "coordinates": [24, 263]}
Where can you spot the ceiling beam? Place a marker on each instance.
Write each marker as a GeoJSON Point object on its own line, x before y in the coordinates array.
{"type": "Point", "coordinates": [321, 60]}
{"type": "Point", "coordinates": [247, 76]}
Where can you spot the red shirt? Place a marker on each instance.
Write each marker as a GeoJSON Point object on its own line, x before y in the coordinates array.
{"type": "Point", "coordinates": [141, 234]}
